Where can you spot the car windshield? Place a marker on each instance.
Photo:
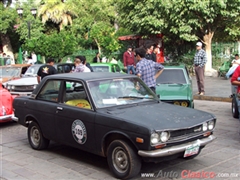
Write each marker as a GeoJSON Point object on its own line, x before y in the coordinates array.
{"type": "Point", "coordinates": [10, 71]}
{"type": "Point", "coordinates": [100, 68]}
{"type": "Point", "coordinates": [172, 76]}
{"type": "Point", "coordinates": [113, 92]}
{"type": "Point", "coordinates": [32, 71]}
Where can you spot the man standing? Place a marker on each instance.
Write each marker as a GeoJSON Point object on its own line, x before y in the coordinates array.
{"type": "Point", "coordinates": [46, 70]}
{"type": "Point", "coordinates": [200, 60]}
{"type": "Point", "coordinates": [97, 58]}
{"type": "Point", "coordinates": [128, 60]}
{"type": "Point", "coordinates": [146, 69]}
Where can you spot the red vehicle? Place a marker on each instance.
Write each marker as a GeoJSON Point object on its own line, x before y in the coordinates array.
{"type": "Point", "coordinates": [6, 109]}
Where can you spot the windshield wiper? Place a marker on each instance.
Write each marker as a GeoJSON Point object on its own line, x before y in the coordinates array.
{"type": "Point", "coordinates": [169, 83]}
{"type": "Point", "coordinates": [135, 97]}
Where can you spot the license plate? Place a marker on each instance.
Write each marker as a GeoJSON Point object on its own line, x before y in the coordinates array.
{"type": "Point", "coordinates": [191, 150]}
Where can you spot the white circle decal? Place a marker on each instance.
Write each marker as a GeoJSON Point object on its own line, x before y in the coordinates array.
{"type": "Point", "coordinates": [79, 131]}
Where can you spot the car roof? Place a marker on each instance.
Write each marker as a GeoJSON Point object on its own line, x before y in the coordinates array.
{"type": "Point", "coordinates": [102, 64]}
{"type": "Point", "coordinates": [89, 76]}
{"type": "Point", "coordinates": [16, 65]}
{"type": "Point", "coordinates": [173, 65]}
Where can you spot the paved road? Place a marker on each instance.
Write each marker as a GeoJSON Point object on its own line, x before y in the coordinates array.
{"type": "Point", "coordinates": [20, 162]}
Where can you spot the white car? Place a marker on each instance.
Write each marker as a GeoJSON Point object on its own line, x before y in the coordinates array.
{"type": "Point", "coordinates": [28, 82]}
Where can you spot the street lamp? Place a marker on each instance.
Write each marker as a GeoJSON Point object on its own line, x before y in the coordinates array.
{"type": "Point", "coordinates": [20, 13]}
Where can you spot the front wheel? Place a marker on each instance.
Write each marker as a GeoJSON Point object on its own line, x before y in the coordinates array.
{"type": "Point", "coordinates": [35, 137]}
{"type": "Point", "coordinates": [122, 160]}
{"type": "Point", "coordinates": [235, 112]}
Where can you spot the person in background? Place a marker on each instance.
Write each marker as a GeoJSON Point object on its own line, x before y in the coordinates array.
{"type": "Point", "coordinates": [79, 67]}
{"type": "Point", "coordinates": [34, 57]}
{"type": "Point", "coordinates": [69, 60]}
{"type": "Point", "coordinates": [235, 64]}
{"type": "Point", "coordinates": [154, 54]}
{"type": "Point", "coordinates": [114, 61]}
{"type": "Point", "coordinates": [46, 70]}
{"type": "Point", "coordinates": [97, 58]}
{"type": "Point", "coordinates": [200, 59]}
{"type": "Point", "coordinates": [128, 61]}
{"type": "Point", "coordinates": [87, 67]}
{"type": "Point", "coordinates": [29, 60]}
{"type": "Point", "coordinates": [149, 52]}
{"type": "Point", "coordinates": [8, 61]}
{"type": "Point", "coordinates": [146, 69]}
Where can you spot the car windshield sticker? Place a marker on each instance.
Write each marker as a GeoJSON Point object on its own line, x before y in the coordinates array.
{"type": "Point", "coordinates": [79, 131]}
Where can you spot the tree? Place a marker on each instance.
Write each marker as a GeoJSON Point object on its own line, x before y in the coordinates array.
{"type": "Point", "coordinates": [7, 21]}
{"type": "Point", "coordinates": [95, 25]}
{"type": "Point", "coordinates": [56, 11]}
{"type": "Point", "coordinates": [189, 20]}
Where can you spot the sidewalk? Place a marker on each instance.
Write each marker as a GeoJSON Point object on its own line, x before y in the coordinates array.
{"type": "Point", "coordinates": [216, 89]}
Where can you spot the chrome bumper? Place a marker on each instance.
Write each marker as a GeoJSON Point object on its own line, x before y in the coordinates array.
{"type": "Point", "coordinates": [14, 118]}
{"type": "Point", "coordinates": [6, 117]}
{"type": "Point", "coordinates": [175, 149]}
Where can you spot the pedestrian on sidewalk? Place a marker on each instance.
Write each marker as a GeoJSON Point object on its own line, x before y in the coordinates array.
{"type": "Point", "coordinates": [200, 60]}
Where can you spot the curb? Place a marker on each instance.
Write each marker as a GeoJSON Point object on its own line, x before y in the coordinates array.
{"type": "Point", "coordinates": [212, 98]}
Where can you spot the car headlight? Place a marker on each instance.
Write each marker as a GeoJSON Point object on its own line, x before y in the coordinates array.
{"type": "Point", "coordinates": [164, 136]}
{"type": "Point", "coordinates": [205, 126]}
{"type": "Point", "coordinates": [211, 125]}
{"type": "Point", "coordinates": [35, 86]}
{"type": "Point", "coordinates": [155, 138]}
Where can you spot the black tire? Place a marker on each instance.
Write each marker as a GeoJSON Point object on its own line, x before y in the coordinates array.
{"type": "Point", "coordinates": [35, 137]}
{"type": "Point", "coordinates": [123, 161]}
{"type": "Point", "coordinates": [235, 112]}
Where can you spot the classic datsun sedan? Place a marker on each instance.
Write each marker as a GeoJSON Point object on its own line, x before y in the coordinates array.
{"type": "Point", "coordinates": [106, 67]}
{"type": "Point", "coordinates": [175, 86]}
{"type": "Point", "coordinates": [113, 115]}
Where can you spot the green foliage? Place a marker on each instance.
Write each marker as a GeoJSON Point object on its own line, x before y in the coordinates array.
{"type": "Point", "coordinates": [7, 18]}
{"type": "Point", "coordinates": [187, 19]}
{"type": "Point", "coordinates": [56, 45]}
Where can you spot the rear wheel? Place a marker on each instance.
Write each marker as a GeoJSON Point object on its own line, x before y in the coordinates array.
{"type": "Point", "coordinates": [235, 112]}
{"type": "Point", "coordinates": [35, 137]}
{"type": "Point", "coordinates": [122, 160]}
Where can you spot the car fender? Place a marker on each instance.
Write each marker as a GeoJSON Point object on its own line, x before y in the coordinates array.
{"type": "Point", "coordinates": [113, 135]}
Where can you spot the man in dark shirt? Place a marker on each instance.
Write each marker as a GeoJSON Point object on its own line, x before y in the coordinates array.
{"type": "Point", "coordinates": [46, 70]}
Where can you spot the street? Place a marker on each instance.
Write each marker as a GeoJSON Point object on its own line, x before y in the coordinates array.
{"type": "Point", "coordinates": [218, 160]}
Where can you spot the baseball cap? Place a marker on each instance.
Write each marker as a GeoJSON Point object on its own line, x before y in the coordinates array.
{"type": "Point", "coordinates": [199, 44]}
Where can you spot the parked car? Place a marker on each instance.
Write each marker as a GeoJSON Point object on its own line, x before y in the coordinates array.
{"type": "Point", "coordinates": [174, 86]}
{"type": "Point", "coordinates": [11, 72]}
{"type": "Point", "coordinates": [6, 110]}
{"type": "Point", "coordinates": [106, 67]}
{"type": "Point", "coordinates": [113, 115]}
{"type": "Point", "coordinates": [28, 83]}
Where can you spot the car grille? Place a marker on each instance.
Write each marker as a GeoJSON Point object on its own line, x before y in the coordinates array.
{"type": "Point", "coordinates": [22, 89]}
{"type": "Point", "coordinates": [184, 134]}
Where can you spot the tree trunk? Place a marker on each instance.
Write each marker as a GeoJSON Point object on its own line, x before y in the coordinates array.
{"type": "Point", "coordinates": [7, 47]}
{"type": "Point", "coordinates": [98, 45]}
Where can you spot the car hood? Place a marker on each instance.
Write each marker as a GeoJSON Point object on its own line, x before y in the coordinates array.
{"type": "Point", "coordinates": [173, 91]}
{"type": "Point", "coordinates": [161, 116]}
{"type": "Point", "coordinates": [6, 102]}
{"type": "Point", "coordinates": [24, 81]}
{"type": "Point", "coordinates": [5, 79]}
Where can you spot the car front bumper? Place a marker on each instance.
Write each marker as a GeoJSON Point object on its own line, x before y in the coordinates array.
{"type": "Point", "coordinates": [168, 151]}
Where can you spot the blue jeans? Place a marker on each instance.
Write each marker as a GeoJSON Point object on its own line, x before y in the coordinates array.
{"type": "Point", "coordinates": [131, 67]}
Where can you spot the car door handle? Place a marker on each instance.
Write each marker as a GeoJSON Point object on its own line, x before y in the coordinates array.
{"type": "Point", "coordinates": [59, 108]}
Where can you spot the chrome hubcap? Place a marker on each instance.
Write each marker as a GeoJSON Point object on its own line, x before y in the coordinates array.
{"type": "Point", "coordinates": [35, 136]}
{"type": "Point", "coordinates": [120, 160]}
